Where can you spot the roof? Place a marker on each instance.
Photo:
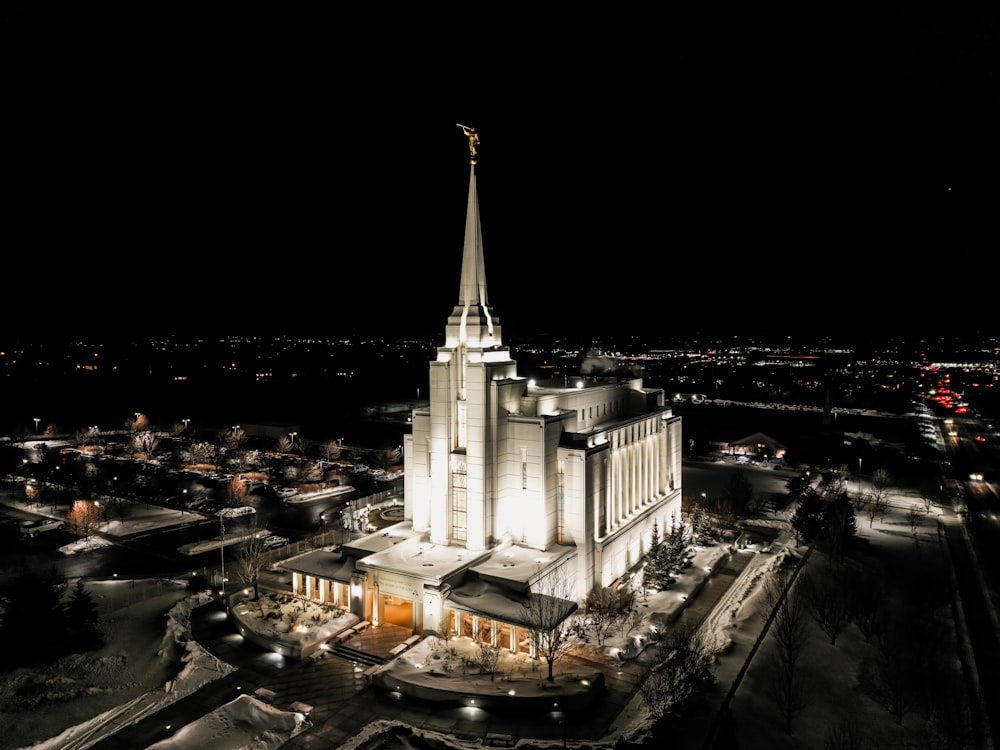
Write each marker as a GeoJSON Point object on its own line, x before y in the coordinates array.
{"type": "Point", "coordinates": [528, 610]}
{"type": "Point", "coordinates": [757, 438]}
{"type": "Point", "coordinates": [329, 563]}
{"type": "Point", "coordinates": [400, 550]}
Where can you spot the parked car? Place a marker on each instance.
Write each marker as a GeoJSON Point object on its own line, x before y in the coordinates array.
{"type": "Point", "coordinates": [275, 541]}
{"type": "Point", "coordinates": [34, 528]}
{"type": "Point", "coordinates": [206, 506]}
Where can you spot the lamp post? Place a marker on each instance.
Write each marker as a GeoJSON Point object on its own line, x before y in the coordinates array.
{"type": "Point", "coordinates": [859, 477]}
{"type": "Point", "coordinates": [292, 436]}
{"type": "Point", "coordinates": [37, 420]}
{"type": "Point", "coordinates": [222, 557]}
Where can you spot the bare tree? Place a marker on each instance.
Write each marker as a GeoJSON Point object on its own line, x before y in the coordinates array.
{"type": "Point", "coordinates": [845, 736]}
{"type": "Point", "coordinates": [330, 450]}
{"type": "Point", "coordinates": [606, 608]}
{"type": "Point", "coordinates": [545, 611]}
{"type": "Point", "coordinates": [311, 472]}
{"type": "Point", "coordinates": [221, 447]}
{"type": "Point", "coordinates": [930, 491]}
{"type": "Point", "coordinates": [144, 443]}
{"type": "Point", "coordinates": [85, 516]}
{"type": "Point", "coordinates": [888, 677]}
{"type": "Point", "coordinates": [877, 502]}
{"type": "Point", "coordinates": [82, 437]}
{"type": "Point", "coordinates": [828, 601]}
{"type": "Point", "coordinates": [234, 492]}
{"type": "Point", "coordinates": [684, 662]}
{"type": "Point", "coordinates": [867, 600]}
{"type": "Point", "coordinates": [392, 456]}
{"type": "Point", "coordinates": [789, 630]}
{"type": "Point", "coordinates": [489, 657]}
{"type": "Point", "coordinates": [236, 442]}
{"type": "Point", "coordinates": [251, 558]}
{"type": "Point", "coordinates": [914, 517]}
{"type": "Point", "coordinates": [117, 506]}
{"type": "Point", "coordinates": [833, 483]}
{"type": "Point", "coordinates": [953, 720]}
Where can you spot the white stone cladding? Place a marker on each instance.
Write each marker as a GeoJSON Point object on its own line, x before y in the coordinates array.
{"type": "Point", "coordinates": [578, 469]}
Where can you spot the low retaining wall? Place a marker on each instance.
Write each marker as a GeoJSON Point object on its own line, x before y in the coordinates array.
{"type": "Point", "coordinates": [570, 692]}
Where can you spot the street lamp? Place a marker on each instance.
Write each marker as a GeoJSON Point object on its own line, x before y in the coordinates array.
{"type": "Point", "coordinates": [222, 556]}
{"type": "Point", "coordinates": [37, 420]}
{"type": "Point", "coordinates": [186, 422]}
{"type": "Point", "coordinates": [859, 477]}
{"type": "Point", "coordinates": [292, 436]}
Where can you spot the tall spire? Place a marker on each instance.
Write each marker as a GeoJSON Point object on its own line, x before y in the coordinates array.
{"type": "Point", "coordinates": [472, 290]}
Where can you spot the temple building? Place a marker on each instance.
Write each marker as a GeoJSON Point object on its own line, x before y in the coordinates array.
{"type": "Point", "coordinates": [519, 496]}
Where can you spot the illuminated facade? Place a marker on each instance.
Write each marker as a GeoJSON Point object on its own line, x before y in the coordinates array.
{"type": "Point", "coordinates": [509, 485]}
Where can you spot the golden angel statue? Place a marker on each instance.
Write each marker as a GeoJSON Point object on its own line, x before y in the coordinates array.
{"type": "Point", "coordinates": [473, 137]}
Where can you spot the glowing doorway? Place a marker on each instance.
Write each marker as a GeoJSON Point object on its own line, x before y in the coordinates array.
{"type": "Point", "coordinates": [397, 611]}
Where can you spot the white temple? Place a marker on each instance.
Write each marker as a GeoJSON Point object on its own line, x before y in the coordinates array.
{"type": "Point", "coordinates": [512, 488]}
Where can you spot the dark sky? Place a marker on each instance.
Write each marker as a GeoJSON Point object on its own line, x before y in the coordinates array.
{"type": "Point", "coordinates": [640, 170]}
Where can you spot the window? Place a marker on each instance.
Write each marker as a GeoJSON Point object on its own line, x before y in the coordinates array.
{"type": "Point", "coordinates": [459, 507]}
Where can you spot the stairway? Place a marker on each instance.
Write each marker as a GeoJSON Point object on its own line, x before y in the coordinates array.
{"type": "Point", "coordinates": [355, 655]}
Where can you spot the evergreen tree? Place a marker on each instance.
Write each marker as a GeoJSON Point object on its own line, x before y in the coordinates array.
{"type": "Point", "coordinates": [808, 520]}
{"type": "Point", "coordinates": [33, 617]}
{"type": "Point", "coordinates": [656, 572]}
{"type": "Point", "coordinates": [81, 620]}
{"type": "Point", "coordinates": [796, 486]}
{"type": "Point", "coordinates": [839, 525]}
{"type": "Point", "coordinates": [677, 549]}
{"type": "Point", "coordinates": [738, 492]}
{"type": "Point", "coordinates": [701, 528]}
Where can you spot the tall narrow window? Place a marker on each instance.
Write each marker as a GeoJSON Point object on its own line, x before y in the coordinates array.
{"type": "Point", "coordinates": [460, 428]}
{"type": "Point", "coordinates": [459, 506]}
{"type": "Point", "coordinates": [561, 504]}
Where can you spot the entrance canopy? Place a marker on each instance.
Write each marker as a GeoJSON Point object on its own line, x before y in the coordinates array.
{"type": "Point", "coordinates": [518, 585]}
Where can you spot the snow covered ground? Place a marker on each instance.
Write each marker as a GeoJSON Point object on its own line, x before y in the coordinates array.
{"type": "Point", "coordinates": [136, 673]}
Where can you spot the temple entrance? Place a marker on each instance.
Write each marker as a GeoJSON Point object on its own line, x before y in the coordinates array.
{"type": "Point", "coordinates": [397, 611]}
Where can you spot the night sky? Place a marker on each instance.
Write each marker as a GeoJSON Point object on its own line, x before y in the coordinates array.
{"type": "Point", "coordinates": [641, 171]}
